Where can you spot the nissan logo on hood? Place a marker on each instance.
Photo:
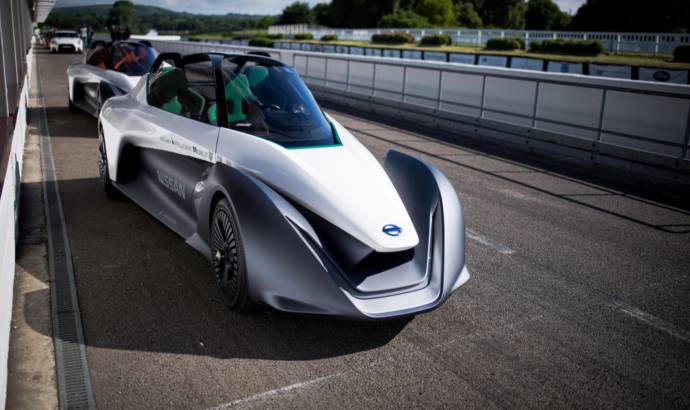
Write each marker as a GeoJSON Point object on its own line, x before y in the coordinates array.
{"type": "Point", "coordinates": [392, 230]}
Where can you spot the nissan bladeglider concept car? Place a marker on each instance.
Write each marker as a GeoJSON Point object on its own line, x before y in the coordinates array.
{"type": "Point", "coordinates": [232, 152]}
{"type": "Point", "coordinates": [107, 70]}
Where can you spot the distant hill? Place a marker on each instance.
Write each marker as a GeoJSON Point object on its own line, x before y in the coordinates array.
{"type": "Point", "coordinates": [140, 11]}
{"type": "Point", "coordinates": [164, 20]}
{"type": "Point", "coordinates": [96, 9]}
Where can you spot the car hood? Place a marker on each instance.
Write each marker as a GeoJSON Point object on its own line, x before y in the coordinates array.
{"type": "Point", "coordinates": [343, 184]}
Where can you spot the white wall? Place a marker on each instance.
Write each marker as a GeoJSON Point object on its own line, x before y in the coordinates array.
{"type": "Point", "coordinates": [8, 216]}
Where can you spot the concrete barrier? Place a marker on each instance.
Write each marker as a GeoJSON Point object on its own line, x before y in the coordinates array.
{"type": "Point", "coordinates": [639, 129]}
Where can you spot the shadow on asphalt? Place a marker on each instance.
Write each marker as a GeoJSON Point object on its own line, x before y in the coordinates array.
{"type": "Point", "coordinates": [64, 123]}
{"type": "Point", "coordinates": [141, 288]}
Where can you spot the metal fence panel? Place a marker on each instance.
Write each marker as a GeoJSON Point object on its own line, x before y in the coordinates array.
{"type": "Point", "coordinates": [569, 110]}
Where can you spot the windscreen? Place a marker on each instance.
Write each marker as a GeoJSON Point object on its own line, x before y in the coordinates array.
{"type": "Point", "coordinates": [63, 34]}
{"type": "Point", "coordinates": [133, 59]}
{"type": "Point", "coordinates": [270, 101]}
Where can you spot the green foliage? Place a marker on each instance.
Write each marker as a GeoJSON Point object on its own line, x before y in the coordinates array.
{"type": "Point", "coordinates": [571, 47]}
{"type": "Point", "coordinates": [682, 54]}
{"type": "Point", "coordinates": [404, 19]}
{"type": "Point", "coordinates": [436, 40]}
{"type": "Point", "coordinates": [544, 15]}
{"type": "Point", "coordinates": [275, 36]}
{"type": "Point", "coordinates": [508, 43]}
{"type": "Point", "coordinates": [466, 16]}
{"type": "Point", "coordinates": [304, 36]}
{"type": "Point", "coordinates": [392, 38]}
{"type": "Point", "coordinates": [362, 13]}
{"type": "Point", "coordinates": [329, 37]}
{"type": "Point", "coordinates": [633, 16]}
{"type": "Point", "coordinates": [261, 42]}
{"type": "Point", "coordinates": [502, 13]}
{"type": "Point", "coordinates": [438, 12]}
{"type": "Point", "coordinates": [165, 21]}
{"type": "Point", "coordinates": [122, 14]}
{"type": "Point", "coordinates": [297, 13]}
{"type": "Point", "coordinates": [266, 21]}
{"type": "Point", "coordinates": [322, 14]}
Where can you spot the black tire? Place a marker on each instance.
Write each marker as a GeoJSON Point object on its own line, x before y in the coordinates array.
{"type": "Point", "coordinates": [228, 259]}
{"type": "Point", "coordinates": [72, 107]}
{"type": "Point", "coordinates": [108, 188]}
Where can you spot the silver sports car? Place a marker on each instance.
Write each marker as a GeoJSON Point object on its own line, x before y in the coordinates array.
{"type": "Point", "coordinates": [105, 71]}
{"type": "Point", "coordinates": [232, 152]}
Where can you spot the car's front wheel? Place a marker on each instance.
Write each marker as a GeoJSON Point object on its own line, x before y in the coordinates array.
{"type": "Point", "coordinates": [110, 191]}
{"type": "Point", "coordinates": [228, 259]}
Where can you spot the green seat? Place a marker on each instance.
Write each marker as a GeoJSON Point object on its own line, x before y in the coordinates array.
{"type": "Point", "coordinates": [238, 90]}
{"type": "Point", "coordinates": [169, 91]}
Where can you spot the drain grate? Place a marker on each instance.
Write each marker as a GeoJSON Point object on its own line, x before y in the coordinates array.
{"type": "Point", "coordinates": [74, 383]}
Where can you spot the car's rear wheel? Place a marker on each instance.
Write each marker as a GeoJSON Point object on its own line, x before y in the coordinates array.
{"type": "Point", "coordinates": [228, 259]}
{"type": "Point", "coordinates": [110, 191]}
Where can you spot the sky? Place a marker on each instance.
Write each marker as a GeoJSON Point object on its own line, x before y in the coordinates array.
{"type": "Point", "coordinates": [244, 6]}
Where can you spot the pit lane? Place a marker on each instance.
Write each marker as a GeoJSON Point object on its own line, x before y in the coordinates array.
{"type": "Point", "coordinates": [578, 298]}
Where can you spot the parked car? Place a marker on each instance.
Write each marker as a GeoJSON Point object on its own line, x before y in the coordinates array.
{"type": "Point", "coordinates": [66, 41]}
{"type": "Point", "coordinates": [108, 69]}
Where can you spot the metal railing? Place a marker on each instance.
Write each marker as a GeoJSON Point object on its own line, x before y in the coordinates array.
{"type": "Point", "coordinates": [647, 43]}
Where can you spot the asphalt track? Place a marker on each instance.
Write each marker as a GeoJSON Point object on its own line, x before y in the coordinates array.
{"type": "Point", "coordinates": [579, 297]}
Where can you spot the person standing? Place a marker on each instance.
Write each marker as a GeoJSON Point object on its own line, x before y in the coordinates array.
{"type": "Point", "coordinates": [83, 34]}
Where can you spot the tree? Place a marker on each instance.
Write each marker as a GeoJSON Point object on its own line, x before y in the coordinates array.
{"type": "Point", "coordinates": [322, 14]}
{"type": "Point", "coordinates": [265, 21]}
{"type": "Point", "coordinates": [362, 13]}
{"type": "Point", "coordinates": [544, 15]}
{"type": "Point", "coordinates": [438, 12]}
{"type": "Point", "coordinates": [297, 13]}
{"type": "Point", "coordinates": [466, 16]}
{"type": "Point", "coordinates": [122, 14]}
{"type": "Point", "coordinates": [633, 16]}
{"type": "Point", "coordinates": [501, 13]}
{"type": "Point", "coordinates": [404, 19]}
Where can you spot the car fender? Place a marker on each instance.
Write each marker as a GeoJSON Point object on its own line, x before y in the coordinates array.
{"type": "Point", "coordinates": [284, 269]}
{"type": "Point", "coordinates": [420, 185]}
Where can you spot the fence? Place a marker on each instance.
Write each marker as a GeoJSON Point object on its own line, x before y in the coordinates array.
{"type": "Point", "coordinates": [675, 76]}
{"type": "Point", "coordinates": [647, 43]}
{"type": "Point", "coordinates": [617, 122]}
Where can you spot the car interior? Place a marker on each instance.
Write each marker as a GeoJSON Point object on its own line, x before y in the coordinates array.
{"type": "Point", "coordinates": [169, 91]}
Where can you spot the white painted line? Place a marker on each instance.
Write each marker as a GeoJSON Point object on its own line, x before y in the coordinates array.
{"type": "Point", "coordinates": [476, 236]}
{"type": "Point", "coordinates": [655, 322]}
{"type": "Point", "coordinates": [275, 392]}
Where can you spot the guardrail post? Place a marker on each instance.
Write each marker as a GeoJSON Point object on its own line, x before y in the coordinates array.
{"type": "Point", "coordinates": [306, 68]}
{"type": "Point", "coordinates": [373, 81]}
{"type": "Point", "coordinates": [656, 46]}
{"type": "Point", "coordinates": [481, 106]}
{"type": "Point", "coordinates": [347, 76]}
{"type": "Point", "coordinates": [404, 84]}
{"type": "Point", "coordinates": [684, 153]}
{"type": "Point", "coordinates": [325, 74]}
{"type": "Point", "coordinates": [440, 85]}
{"type": "Point", "coordinates": [601, 116]}
{"type": "Point", "coordinates": [536, 102]}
